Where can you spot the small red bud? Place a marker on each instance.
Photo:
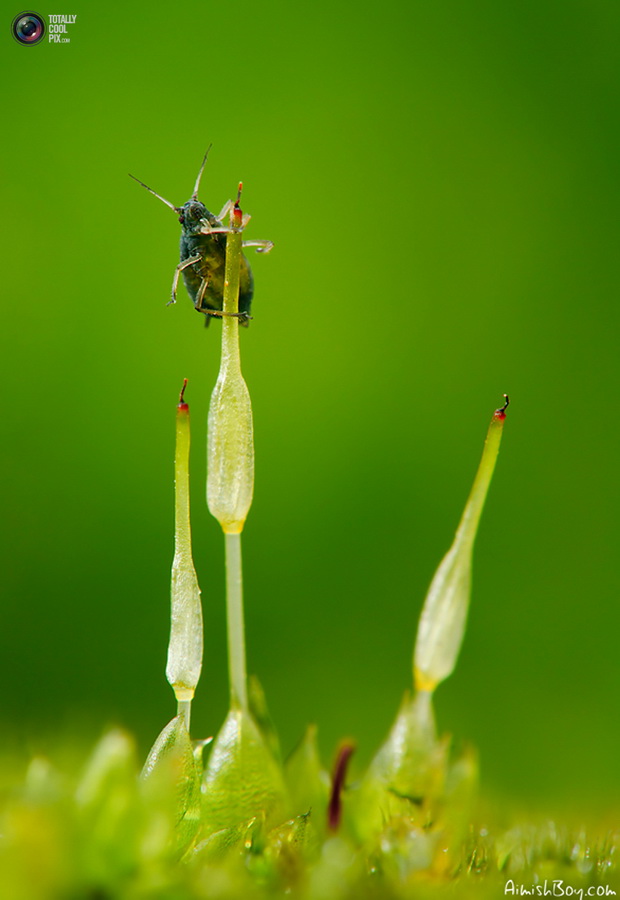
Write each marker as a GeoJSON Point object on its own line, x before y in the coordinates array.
{"type": "Point", "coordinates": [182, 404]}
{"type": "Point", "coordinates": [501, 412]}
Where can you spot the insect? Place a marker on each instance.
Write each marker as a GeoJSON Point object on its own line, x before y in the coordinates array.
{"type": "Point", "coordinates": [203, 255]}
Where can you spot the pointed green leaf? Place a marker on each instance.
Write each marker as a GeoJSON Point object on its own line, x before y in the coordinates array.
{"type": "Point", "coordinates": [407, 771]}
{"type": "Point", "coordinates": [307, 781]}
{"type": "Point", "coordinates": [242, 779]}
{"type": "Point", "coordinates": [171, 787]}
{"type": "Point", "coordinates": [261, 715]}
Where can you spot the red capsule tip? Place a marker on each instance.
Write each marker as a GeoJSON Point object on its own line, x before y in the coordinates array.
{"type": "Point", "coordinates": [334, 810]}
{"type": "Point", "coordinates": [182, 402]}
{"type": "Point", "coordinates": [501, 412]}
{"type": "Point", "coordinates": [237, 215]}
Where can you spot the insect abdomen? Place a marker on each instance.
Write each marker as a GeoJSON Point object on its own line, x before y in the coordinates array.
{"type": "Point", "coordinates": [211, 267]}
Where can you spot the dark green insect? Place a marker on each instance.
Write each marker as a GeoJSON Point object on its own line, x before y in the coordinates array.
{"type": "Point", "coordinates": [203, 255]}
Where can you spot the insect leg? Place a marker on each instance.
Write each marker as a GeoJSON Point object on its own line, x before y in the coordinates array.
{"type": "Point", "coordinates": [261, 246]}
{"type": "Point", "coordinates": [218, 312]}
{"type": "Point", "coordinates": [214, 312]}
{"type": "Point", "coordinates": [225, 210]}
{"type": "Point", "coordinates": [207, 228]}
{"type": "Point", "coordinates": [177, 272]}
{"type": "Point", "coordinates": [202, 290]}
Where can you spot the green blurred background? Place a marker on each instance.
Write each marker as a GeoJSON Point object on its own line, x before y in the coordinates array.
{"type": "Point", "coordinates": [441, 183]}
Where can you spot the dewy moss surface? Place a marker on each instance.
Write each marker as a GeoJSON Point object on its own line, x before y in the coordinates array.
{"type": "Point", "coordinates": [108, 833]}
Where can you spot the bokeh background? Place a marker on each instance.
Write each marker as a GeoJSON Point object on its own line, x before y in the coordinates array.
{"type": "Point", "coordinates": [441, 183]}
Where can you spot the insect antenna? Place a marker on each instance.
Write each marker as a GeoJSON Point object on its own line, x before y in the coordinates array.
{"type": "Point", "coordinates": [151, 191]}
{"type": "Point", "coordinates": [202, 168]}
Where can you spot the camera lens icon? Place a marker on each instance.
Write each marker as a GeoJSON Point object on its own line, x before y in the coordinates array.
{"type": "Point", "coordinates": [28, 28]}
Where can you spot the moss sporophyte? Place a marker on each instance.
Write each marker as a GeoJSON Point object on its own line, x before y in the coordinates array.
{"type": "Point", "coordinates": [227, 818]}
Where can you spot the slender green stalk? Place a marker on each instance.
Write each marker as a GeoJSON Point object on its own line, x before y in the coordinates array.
{"type": "Point", "coordinates": [186, 638]}
{"type": "Point", "coordinates": [184, 709]}
{"type": "Point", "coordinates": [230, 459]}
{"type": "Point", "coordinates": [236, 631]}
